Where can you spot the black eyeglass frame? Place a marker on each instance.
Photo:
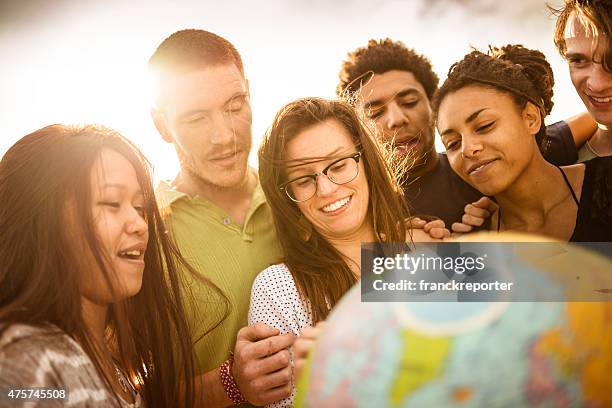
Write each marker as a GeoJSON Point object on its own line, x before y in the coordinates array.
{"type": "Point", "coordinates": [355, 156]}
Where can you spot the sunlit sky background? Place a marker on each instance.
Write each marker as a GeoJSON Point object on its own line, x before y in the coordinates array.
{"type": "Point", "coordinates": [79, 61]}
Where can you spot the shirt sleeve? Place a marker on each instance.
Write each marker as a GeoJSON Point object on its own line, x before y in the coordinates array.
{"type": "Point", "coordinates": [273, 300]}
{"type": "Point", "coordinates": [558, 146]}
{"type": "Point", "coordinates": [25, 365]}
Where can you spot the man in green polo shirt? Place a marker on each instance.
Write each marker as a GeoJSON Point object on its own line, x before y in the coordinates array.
{"type": "Point", "coordinates": [217, 213]}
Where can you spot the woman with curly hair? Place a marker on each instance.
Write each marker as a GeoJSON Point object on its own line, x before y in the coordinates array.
{"type": "Point", "coordinates": [490, 114]}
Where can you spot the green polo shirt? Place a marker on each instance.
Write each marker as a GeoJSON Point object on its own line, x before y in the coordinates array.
{"type": "Point", "coordinates": [228, 254]}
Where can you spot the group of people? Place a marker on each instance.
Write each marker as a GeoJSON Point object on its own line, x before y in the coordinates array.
{"type": "Point", "coordinates": [125, 296]}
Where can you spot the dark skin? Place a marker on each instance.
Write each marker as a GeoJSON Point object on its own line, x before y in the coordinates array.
{"type": "Point", "coordinates": [397, 102]}
{"type": "Point", "coordinates": [491, 144]}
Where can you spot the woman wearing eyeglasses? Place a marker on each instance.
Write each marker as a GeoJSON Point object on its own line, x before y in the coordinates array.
{"type": "Point", "coordinates": [330, 189]}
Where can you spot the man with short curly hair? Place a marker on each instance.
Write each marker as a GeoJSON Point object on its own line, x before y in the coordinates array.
{"type": "Point", "coordinates": [393, 85]}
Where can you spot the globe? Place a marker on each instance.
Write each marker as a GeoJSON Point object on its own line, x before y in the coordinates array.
{"type": "Point", "coordinates": [453, 354]}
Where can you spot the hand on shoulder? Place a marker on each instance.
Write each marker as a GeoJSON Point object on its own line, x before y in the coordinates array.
{"type": "Point", "coordinates": [424, 231]}
{"type": "Point", "coordinates": [475, 215]}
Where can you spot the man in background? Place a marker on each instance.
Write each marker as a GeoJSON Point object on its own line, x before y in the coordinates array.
{"type": "Point", "coordinates": [583, 36]}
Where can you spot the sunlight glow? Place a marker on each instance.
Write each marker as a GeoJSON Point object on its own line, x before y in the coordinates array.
{"type": "Point", "coordinates": [86, 62]}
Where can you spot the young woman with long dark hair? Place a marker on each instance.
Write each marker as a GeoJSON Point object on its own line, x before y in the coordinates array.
{"type": "Point", "coordinates": [90, 298]}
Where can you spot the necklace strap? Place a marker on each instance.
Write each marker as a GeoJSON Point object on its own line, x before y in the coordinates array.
{"type": "Point", "coordinates": [567, 183]}
{"type": "Point", "coordinates": [124, 382]}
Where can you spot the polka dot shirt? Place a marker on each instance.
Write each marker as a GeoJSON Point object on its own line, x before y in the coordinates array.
{"type": "Point", "coordinates": [276, 302]}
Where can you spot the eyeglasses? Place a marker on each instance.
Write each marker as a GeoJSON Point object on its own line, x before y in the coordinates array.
{"type": "Point", "coordinates": [341, 171]}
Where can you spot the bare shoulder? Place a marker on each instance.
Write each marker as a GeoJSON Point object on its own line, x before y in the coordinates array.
{"type": "Point", "coordinates": [575, 176]}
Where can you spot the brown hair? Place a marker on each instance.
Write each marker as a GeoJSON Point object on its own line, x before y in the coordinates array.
{"type": "Point", "coordinates": [189, 50]}
{"type": "Point", "coordinates": [522, 73]}
{"type": "Point", "coordinates": [595, 16]}
{"type": "Point", "coordinates": [319, 270]}
{"type": "Point", "coordinates": [379, 57]}
{"type": "Point", "coordinates": [39, 272]}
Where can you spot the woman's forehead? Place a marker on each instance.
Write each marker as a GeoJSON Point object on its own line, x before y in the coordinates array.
{"type": "Point", "coordinates": [325, 139]}
{"type": "Point", "coordinates": [113, 169]}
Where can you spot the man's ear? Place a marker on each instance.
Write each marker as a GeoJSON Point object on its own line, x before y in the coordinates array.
{"type": "Point", "coordinates": [532, 118]}
{"type": "Point", "coordinates": [160, 124]}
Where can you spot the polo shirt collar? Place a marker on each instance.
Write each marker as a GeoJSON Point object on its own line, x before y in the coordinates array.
{"type": "Point", "coordinates": [167, 195]}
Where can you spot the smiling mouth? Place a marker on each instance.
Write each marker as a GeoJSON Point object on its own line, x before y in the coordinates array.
{"type": "Point", "coordinates": [598, 100]}
{"type": "Point", "coordinates": [477, 168]}
{"type": "Point", "coordinates": [337, 205]}
{"type": "Point", "coordinates": [132, 255]}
